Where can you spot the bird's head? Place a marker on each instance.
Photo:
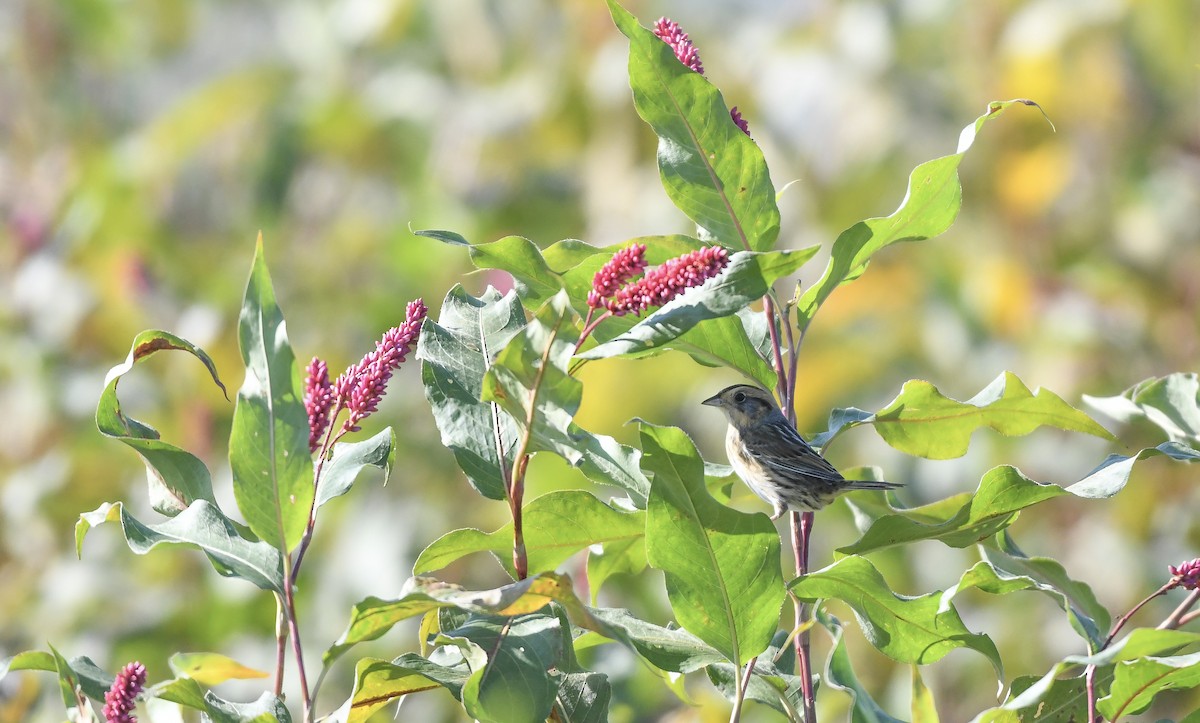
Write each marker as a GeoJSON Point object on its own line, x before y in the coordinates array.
{"type": "Point", "coordinates": [743, 404]}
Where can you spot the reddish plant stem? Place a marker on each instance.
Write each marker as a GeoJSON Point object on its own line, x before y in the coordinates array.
{"type": "Point", "coordinates": [289, 600]}
{"type": "Point", "coordinates": [781, 385]}
{"type": "Point", "coordinates": [1089, 675]}
{"type": "Point", "coordinates": [1179, 615]}
{"type": "Point", "coordinates": [516, 488]}
{"type": "Point", "coordinates": [802, 524]}
{"type": "Point", "coordinates": [326, 445]}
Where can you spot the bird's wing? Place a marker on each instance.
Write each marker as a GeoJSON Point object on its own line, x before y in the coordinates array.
{"type": "Point", "coordinates": [780, 447]}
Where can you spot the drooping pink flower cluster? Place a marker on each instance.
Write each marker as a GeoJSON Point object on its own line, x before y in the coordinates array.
{"type": "Point", "coordinates": [665, 282]}
{"type": "Point", "coordinates": [318, 401]}
{"type": "Point", "coordinates": [626, 264]}
{"type": "Point", "coordinates": [1187, 574]}
{"type": "Point", "coordinates": [361, 386]}
{"type": "Point", "coordinates": [671, 34]}
{"type": "Point", "coordinates": [120, 698]}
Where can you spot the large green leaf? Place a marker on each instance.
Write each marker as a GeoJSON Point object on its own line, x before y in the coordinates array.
{"type": "Point", "coordinates": [268, 444]}
{"type": "Point", "coordinates": [965, 519]}
{"type": "Point", "coordinates": [711, 170]}
{"type": "Point", "coordinates": [176, 478]}
{"type": "Point", "coordinates": [1069, 701]}
{"type": "Point", "coordinates": [1087, 616]}
{"type": "Point", "coordinates": [722, 566]}
{"type": "Point", "coordinates": [530, 382]}
{"type": "Point", "coordinates": [456, 352]}
{"type": "Point", "coordinates": [668, 649]}
{"type": "Point", "coordinates": [557, 525]}
{"type": "Point", "coordinates": [379, 682]}
{"type": "Point", "coordinates": [211, 668]}
{"type": "Point", "coordinates": [747, 279]}
{"type": "Point", "coordinates": [374, 616]}
{"type": "Point", "coordinates": [583, 698]}
{"type": "Point", "coordinates": [930, 206]}
{"type": "Point", "coordinates": [1172, 403]}
{"type": "Point", "coordinates": [921, 421]}
{"type": "Point", "coordinates": [515, 686]}
{"type": "Point", "coordinates": [201, 526]}
{"type": "Point", "coordinates": [918, 630]}
{"type": "Point", "coordinates": [840, 675]}
{"type": "Point", "coordinates": [351, 458]}
{"type": "Point", "coordinates": [1136, 682]}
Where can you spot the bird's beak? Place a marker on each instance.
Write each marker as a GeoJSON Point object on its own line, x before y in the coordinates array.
{"type": "Point", "coordinates": [713, 401]}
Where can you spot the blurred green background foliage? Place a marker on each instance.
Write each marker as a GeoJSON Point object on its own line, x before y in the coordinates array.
{"type": "Point", "coordinates": [145, 144]}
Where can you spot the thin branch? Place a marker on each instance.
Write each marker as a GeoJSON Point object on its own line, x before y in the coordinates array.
{"type": "Point", "coordinates": [289, 600]}
{"type": "Point", "coordinates": [326, 445]}
{"type": "Point", "coordinates": [517, 487]}
{"type": "Point", "coordinates": [802, 524]}
{"type": "Point", "coordinates": [781, 383]}
{"type": "Point", "coordinates": [280, 643]}
{"type": "Point", "coordinates": [741, 683]}
{"type": "Point", "coordinates": [1179, 614]}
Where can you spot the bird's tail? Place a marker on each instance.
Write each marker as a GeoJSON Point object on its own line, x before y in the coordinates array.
{"type": "Point", "coordinates": [871, 484]}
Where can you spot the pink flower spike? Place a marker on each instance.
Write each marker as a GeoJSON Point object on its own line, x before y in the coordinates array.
{"type": "Point", "coordinates": [120, 698]}
{"type": "Point", "coordinates": [1187, 574]}
{"type": "Point", "coordinates": [625, 265]}
{"type": "Point", "coordinates": [318, 401]}
{"type": "Point", "coordinates": [668, 281]}
{"type": "Point", "coordinates": [362, 386]}
{"type": "Point", "coordinates": [669, 31]}
{"type": "Point", "coordinates": [736, 115]}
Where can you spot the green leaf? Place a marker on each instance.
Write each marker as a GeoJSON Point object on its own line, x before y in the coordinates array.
{"type": "Point", "coordinates": [923, 708]}
{"type": "Point", "coordinates": [201, 526]}
{"type": "Point", "coordinates": [1113, 473]}
{"type": "Point", "coordinates": [69, 687]}
{"type": "Point", "coordinates": [961, 520]}
{"type": "Point", "coordinates": [530, 382]}
{"type": "Point", "coordinates": [668, 649]}
{"type": "Point", "coordinates": [840, 675]}
{"type": "Point", "coordinates": [768, 685]}
{"type": "Point", "coordinates": [456, 352]}
{"type": "Point", "coordinates": [917, 630]}
{"type": "Point", "coordinates": [1087, 616]}
{"type": "Point", "coordinates": [351, 458]}
{"type": "Point", "coordinates": [930, 206]}
{"type": "Point", "coordinates": [514, 686]}
{"type": "Point", "coordinates": [921, 421]}
{"type": "Point", "coordinates": [176, 478]}
{"type": "Point", "coordinates": [521, 258]}
{"type": "Point", "coordinates": [265, 709]}
{"type": "Point", "coordinates": [27, 660]}
{"type": "Point", "coordinates": [722, 566]}
{"type": "Point", "coordinates": [711, 170]}
{"type": "Point", "coordinates": [620, 556]}
{"type": "Point", "coordinates": [1142, 642]}
{"type": "Point", "coordinates": [747, 279]}
{"type": "Point", "coordinates": [583, 698]}
{"type": "Point", "coordinates": [379, 682]}
{"type": "Point", "coordinates": [268, 444]}
{"type": "Point", "coordinates": [1172, 403]}
{"type": "Point", "coordinates": [211, 668]}
{"type": "Point", "coordinates": [1137, 682]}
{"type": "Point", "coordinates": [965, 519]}
{"type": "Point", "coordinates": [557, 525]}
{"type": "Point", "coordinates": [374, 616]}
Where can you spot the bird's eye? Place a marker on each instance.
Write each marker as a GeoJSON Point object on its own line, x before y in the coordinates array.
{"type": "Point", "coordinates": [739, 397]}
